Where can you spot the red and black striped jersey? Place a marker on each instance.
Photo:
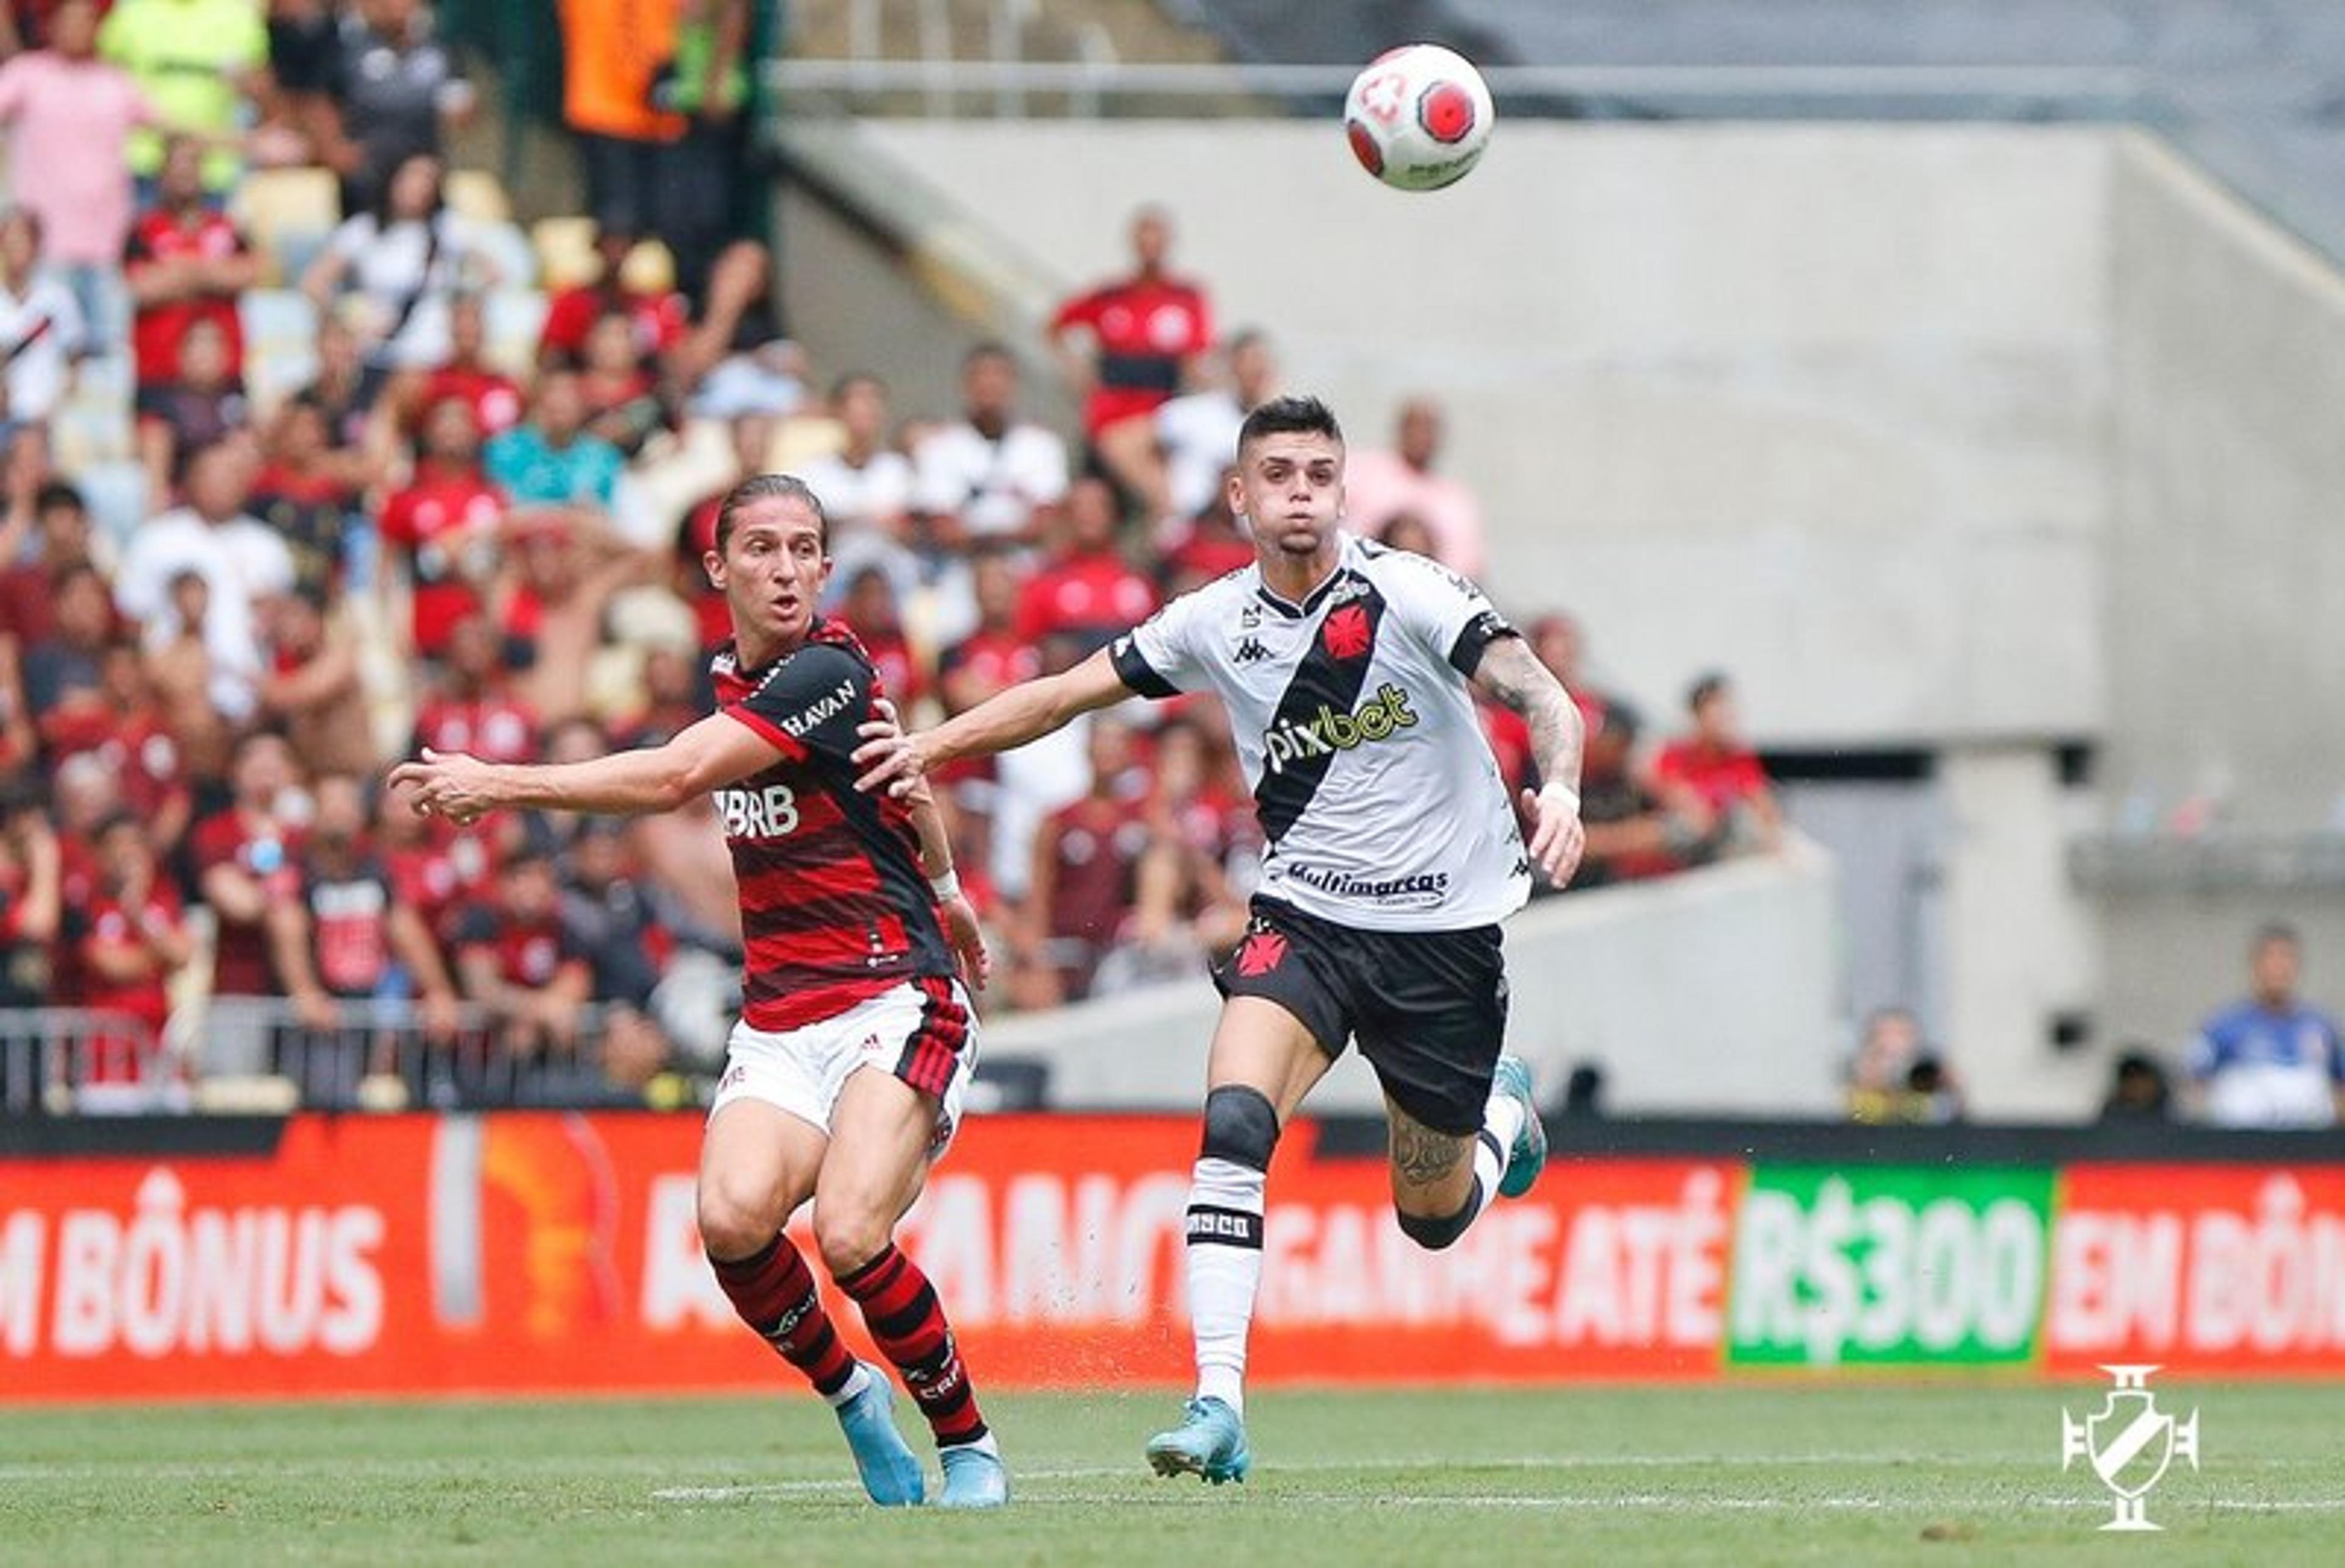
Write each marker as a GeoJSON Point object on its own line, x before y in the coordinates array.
{"type": "Point", "coordinates": [834, 907]}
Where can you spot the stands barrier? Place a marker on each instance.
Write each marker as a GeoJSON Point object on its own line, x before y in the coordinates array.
{"type": "Point", "coordinates": [260, 1052]}
{"type": "Point", "coordinates": [516, 1252]}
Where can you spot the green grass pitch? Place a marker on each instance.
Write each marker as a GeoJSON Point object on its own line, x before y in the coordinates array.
{"type": "Point", "coordinates": [1748, 1475]}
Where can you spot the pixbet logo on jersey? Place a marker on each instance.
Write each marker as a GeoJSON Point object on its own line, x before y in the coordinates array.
{"type": "Point", "coordinates": [1331, 732]}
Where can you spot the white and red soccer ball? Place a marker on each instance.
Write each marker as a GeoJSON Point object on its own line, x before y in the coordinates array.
{"type": "Point", "coordinates": [1418, 117]}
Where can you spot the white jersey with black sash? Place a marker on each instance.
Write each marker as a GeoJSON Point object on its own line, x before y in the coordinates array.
{"type": "Point", "coordinates": [1378, 792]}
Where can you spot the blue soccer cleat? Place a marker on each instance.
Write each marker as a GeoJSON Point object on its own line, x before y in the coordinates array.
{"type": "Point", "coordinates": [1210, 1442]}
{"type": "Point", "coordinates": [974, 1476]}
{"type": "Point", "coordinates": [1528, 1158]}
{"type": "Point", "coordinates": [891, 1472]}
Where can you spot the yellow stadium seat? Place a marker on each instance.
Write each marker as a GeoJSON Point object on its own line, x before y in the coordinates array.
{"type": "Point", "coordinates": [287, 213]}
{"type": "Point", "coordinates": [476, 193]}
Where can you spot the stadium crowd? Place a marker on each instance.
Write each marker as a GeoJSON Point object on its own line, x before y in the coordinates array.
{"type": "Point", "coordinates": [292, 489]}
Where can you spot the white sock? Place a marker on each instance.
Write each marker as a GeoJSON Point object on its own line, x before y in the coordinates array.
{"type": "Point", "coordinates": [1225, 1266]}
{"type": "Point", "coordinates": [1502, 1119]}
{"type": "Point", "coordinates": [857, 1382]}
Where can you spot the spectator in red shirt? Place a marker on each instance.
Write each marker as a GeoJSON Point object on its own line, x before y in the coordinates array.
{"type": "Point", "coordinates": [54, 517]}
{"type": "Point", "coordinates": [624, 402]}
{"type": "Point", "coordinates": [202, 404]}
{"type": "Point", "coordinates": [308, 490]}
{"type": "Point", "coordinates": [61, 672]}
{"type": "Point", "coordinates": [658, 317]}
{"type": "Point", "coordinates": [32, 876]}
{"type": "Point", "coordinates": [869, 607]}
{"type": "Point", "coordinates": [245, 865]}
{"type": "Point", "coordinates": [133, 736]}
{"type": "Point", "coordinates": [1558, 641]}
{"type": "Point", "coordinates": [1143, 329]}
{"type": "Point", "coordinates": [185, 263]}
{"type": "Point", "coordinates": [1208, 546]}
{"type": "Point", "coordinates": [1720, 772]}
{"type": "Point", "coordinates": [437, 868]}
{"type": "Point", "coordinates": [1201, 825]}
{"type": "Point", "coordinates": [445, 522]}
{"type": "Point", "coordinates": [363, 939]}
{"type": "Point", "coordinates": [516, 959]}
{"type": "Point", "coordinates": [990, 658]}
{"type": "Point", "coordinates": [474, 708]}
{"type": "Point", "coordinates": [1086, 874]}
{"type": "Point", "coordinates": [1634, 831]}
{"type": "Point", "coordinates": [1087, 591]}
{"type": "Point", "coordinates": [129, 938]}
{"type": "Point", "coordinates": [496, 398]}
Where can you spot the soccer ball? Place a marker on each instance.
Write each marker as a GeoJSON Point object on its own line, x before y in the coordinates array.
{"type": "Point", "coordinates": [1418, 117]}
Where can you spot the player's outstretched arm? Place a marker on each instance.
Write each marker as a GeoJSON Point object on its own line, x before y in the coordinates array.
{"type": "Point", "coordinates": [961, 925]}
{"type": "Point", "coordinates": [1511, 675]}
{"type": "Point", "coordinates": [1004, 721]}
{"type": "Point", "coordinates": [714, 752]}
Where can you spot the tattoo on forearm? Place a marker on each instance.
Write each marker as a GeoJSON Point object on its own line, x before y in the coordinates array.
{"type": "Point", "coordinates": [1512, 674]}
{"type": "Point", "coordinates": [1424, 1157]}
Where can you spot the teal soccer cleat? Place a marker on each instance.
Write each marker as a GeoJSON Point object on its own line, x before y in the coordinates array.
{"type": "Point", "coordinates": [1210, 1442]}
{"type": "Point", "coordinates": [1528, 1158]}
{"type": "Point", "coordinates": [891, 1472]}
{"type": "Point", "coordinates": [974, 1476]}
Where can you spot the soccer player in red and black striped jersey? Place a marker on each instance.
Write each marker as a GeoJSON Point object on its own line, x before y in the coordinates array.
{"type": "Point", "coordinates": [843, 1077]}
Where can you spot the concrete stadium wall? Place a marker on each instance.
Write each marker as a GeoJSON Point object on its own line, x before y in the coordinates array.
{"type": "Point", "coordinates": [2226, 572]}
{"type": "Point", "coordinates": [1711, 992]}
{"type": "Point", "coordinates": [1828, 405]}
{"type": "Point", "coordinates": [1967, 438]}
{"type": "Point", "coordinates": [2227, 559]}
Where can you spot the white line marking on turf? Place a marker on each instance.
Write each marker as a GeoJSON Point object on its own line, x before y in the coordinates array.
{"type": "Point", "coordinates": [1649, 1503]}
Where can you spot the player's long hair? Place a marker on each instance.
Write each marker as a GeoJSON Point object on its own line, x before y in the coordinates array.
{"type": "Point", "coordinates": [1289, 416]}
{"type": "Point", "coordinates": [770, 487]}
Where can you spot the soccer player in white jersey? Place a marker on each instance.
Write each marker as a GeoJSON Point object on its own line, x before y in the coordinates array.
{"type": "Point", "coordinates": [1393, 855]}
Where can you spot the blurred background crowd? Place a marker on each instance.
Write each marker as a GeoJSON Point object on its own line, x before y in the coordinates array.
{"type": "Point", "coordinates": [314, 455]}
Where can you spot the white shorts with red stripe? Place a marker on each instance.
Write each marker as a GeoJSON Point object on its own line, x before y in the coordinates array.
{"type": "Point", "coordinates": [923, 1031]}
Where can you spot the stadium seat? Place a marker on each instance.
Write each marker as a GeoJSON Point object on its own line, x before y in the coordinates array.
{"type": "Point", "coordinates": [280, 344]}
{"type": "Point", "coordinates": [479, 195]}
{"type": "Point", "coordinates": [565, 252]}
{"type": "Point", "coordinates": [287, 213]}
{"type": "Point", "coordinates": [513, 260]}
{"type": "Point", "coordinates": [115, 491]}
{"type": "Point", "coordinates": [517, 317]}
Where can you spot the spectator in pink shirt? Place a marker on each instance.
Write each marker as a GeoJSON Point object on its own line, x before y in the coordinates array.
{"type": "Point", "coordinates": [1379, 485]}
{"type": "Point", "coordinates": [69, 115]}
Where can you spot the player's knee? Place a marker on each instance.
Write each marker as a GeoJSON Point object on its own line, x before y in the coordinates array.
{"type": "Point", "coordinates": [732, 1226]}
{"type": "Point", "coordinates": [737, 1219]}
{"type": "Point", "coordinates": [849, 1236]}
{"type": "Point", "coordinates": [1433, 1232]}
{"type": "Point", "coordinates": [1241, 1126]}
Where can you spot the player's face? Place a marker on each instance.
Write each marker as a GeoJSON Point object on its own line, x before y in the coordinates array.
{"type": "Point", "coordinates": [772, 572]}
{"type": "Point", "coordinates": [1290, 487]}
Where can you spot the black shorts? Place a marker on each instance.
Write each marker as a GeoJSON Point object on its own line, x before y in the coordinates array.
{"type": "Point", "coordinates": [1429, 1008]}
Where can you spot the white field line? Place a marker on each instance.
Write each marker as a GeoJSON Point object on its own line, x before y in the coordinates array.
{"type": "Point", "coordinates": [1653, 1503]}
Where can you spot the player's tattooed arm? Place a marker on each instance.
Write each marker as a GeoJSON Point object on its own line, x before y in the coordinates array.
{"type": "Point", "coordinates": [1511, 675]}
{"type": "Point", "coordinates": [1422, 1157]}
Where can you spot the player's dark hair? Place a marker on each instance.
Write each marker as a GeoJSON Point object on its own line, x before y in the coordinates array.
{"type": "Point", "coordinates": [2280, 931]}
{"type": "Point", "coordinates": [769, 487]}
{"type": "Point", "coordinates": [1290, 415]}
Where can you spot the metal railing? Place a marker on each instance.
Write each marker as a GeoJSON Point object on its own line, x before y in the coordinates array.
{"type": "Point", "coordinates": [1093, 86]}
{"type": "Point", "coordinates": [259, 1052]}
{"type": "Point", "coordinates": [58, 1060]}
